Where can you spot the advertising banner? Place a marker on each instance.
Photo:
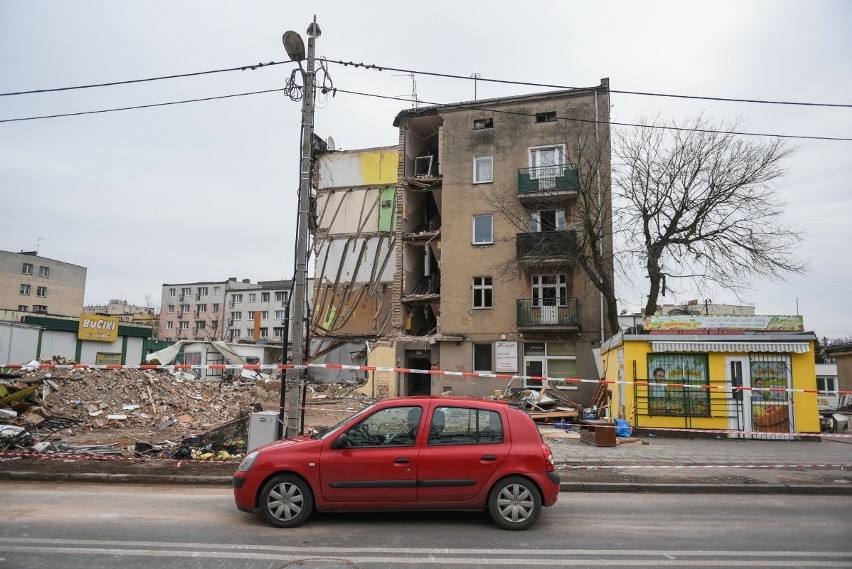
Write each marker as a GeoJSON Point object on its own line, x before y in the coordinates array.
{"type": "Point", "coordinates": [768, 323]}
{"type": "Point", "coordinates": [97, 328]}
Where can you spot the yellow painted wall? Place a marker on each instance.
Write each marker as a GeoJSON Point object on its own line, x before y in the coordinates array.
{"type": "Point", "coordinates": [381, 384]}
{"type": "Point", "coordinates": [379, 167]}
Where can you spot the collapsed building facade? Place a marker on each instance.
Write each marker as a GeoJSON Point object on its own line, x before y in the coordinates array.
{"type": "Point", "coordinates": [456, 250]}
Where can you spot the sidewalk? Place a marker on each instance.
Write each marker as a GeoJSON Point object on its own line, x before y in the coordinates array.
{"type": "Point", "coordinates": [647, 464]}
{"type": "Point", "coordinates": [703, 465]}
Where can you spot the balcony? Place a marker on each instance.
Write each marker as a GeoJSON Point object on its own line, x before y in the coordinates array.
{"type": "Point", "coordinates": [546, 315]}
{"type": "Point", "coordinates": [547, 182]}
{"type": "Point", "coordinates": [546, 247]}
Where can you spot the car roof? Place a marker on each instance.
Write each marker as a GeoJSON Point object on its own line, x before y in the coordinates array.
{"type": "Point", "coordinates": [459, 399]}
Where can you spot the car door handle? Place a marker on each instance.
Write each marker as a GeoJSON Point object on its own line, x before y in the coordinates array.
{"type": "Point", "coordinates": [489, 457]}
{"type": "Point", "coordinates": [402, 460]}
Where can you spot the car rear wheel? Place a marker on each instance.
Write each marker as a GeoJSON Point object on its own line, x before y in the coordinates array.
{"type": "Point", "coordinates": [286, 501]}
{"type": "Point", "coordinates": [515, 503]}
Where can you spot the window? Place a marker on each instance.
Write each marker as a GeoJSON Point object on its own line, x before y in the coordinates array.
{"type": "Point", "coordinates": [548, 220]}
{"type": "Point", "coordinates": [25, 289]}
{"type": "Point", "coordinates": [279, 315]}
{"type": "Point", "coordinates": [278, 332]}
{"type": "Point", "coordinates": [264, 314]}
{"type": "Point", "coordinates": [202, 291]}
{"type": "Point", "coordinates": [546, 164]}
{"type": "Point", "coordinates": [184, 325]}
{"type": "Point", "coordinates": [171, 309]}
{"type": "Point", "coordinates": [483, 169]}
{"type": "Point", "coordinates": [482, 357]}
{"type": "Point", "coordinates": [395, 426]}
{"type": "Point", "coordinates": [549, 116]}
{"type": "Point", "coordinates": [482, 123]}
{"type": "Point", "coordinates": [249, 333]}
{"type": "Point", "coordinates": [200, 325]}
{"type": "Point", "coordinates": [482, 292]}
{"type": "Point", "coordinates": [186, 291]}
{"type": "Point", "coordinates": [280, 296]}
{"type": "Point", "coordinates": [27, 269]}
{"type": "Point", "coordinates": [22, 307]}
{"type": "Point", "coordinates": [172, 292]}
{"type": "Point", "coordinates": [826, 385]}
{"type": "Point", "coordinates": [215, 290]}
{"type": "Point", "coordinates": [40, 308]}
{"type": "Point", "coordinates": [235, 333]}
{"type": "Point", "coordinates": [41, 291]}
{"type": "Point", "coordinates": [215, 307]}
{"type": "Point", "coordinates": [264, 297]}
{"type": "Point", "coordinates": [549, 290]}
{"type": "Point", "coordinates": [483, 229]}
{"type": "Point", "coordinates": [465, 426]}
{"type": "Point", "coordinates": [44, 272]}
{"type": "Point", "coordinates": [170, 325]}
{"type": "Point", "coordinates": [236, 315]}
{"type": "Point", "coordinates": [681, 399]}
{"type": "Point", "coordinates": [252, 297]}
{"type": "Point", "coordinates": [236, 298]}
{"type": "Point", "coordinates": [214, 324]}
{"type": "Point", "coordinates": [184, 308]}
{"type": "Point", "coordinates": [199, 308]}
{"type": "Point", "coordinates": [263, 333]}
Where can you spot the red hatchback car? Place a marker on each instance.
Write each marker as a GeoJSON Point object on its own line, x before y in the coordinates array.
{"type": "Point", "coordinates": [408, 453]}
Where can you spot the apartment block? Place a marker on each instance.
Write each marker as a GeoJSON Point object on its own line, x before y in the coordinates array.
{"type": "Point", "coordinates": [31, 283]}
{"type": "Point", "coordinates": [464, 257]}
{"type": "Point", "coordinates": [231, 310]}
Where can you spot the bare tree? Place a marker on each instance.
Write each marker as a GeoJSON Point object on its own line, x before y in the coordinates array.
{"type": "Point", "coordinates": [698, 202]}
{"type": "Point", "coordinates": [587, 210]}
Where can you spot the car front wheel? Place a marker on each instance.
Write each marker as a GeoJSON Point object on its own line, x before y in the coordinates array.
{"type": "Point", "coordinates": [286, 501]}
{"type": "Point", "coordinates": [515, 503]}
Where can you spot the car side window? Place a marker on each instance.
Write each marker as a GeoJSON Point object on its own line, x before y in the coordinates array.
{"type": "Point", "coordinates": [395, 426]}
{"type": "Point", "coordinates": [464, 426]}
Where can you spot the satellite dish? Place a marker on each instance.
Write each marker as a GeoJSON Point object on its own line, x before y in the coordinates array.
{"type": "Point", "coordinates": [330, 142]}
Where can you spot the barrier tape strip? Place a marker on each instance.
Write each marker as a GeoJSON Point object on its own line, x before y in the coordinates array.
{"type": "Point", "coordinates": [112, 457]}
{"type": "Point", "coordinates": [345, 367]}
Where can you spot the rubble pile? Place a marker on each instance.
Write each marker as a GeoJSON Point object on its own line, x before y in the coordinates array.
{"type": "Point", "coordinates": [153, 404]}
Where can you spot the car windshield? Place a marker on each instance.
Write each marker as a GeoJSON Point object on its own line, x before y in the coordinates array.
{"type": "Point", "coordinates": [326, 431]}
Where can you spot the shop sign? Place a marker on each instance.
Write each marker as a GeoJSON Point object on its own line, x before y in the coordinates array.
{"type": "Point", "coordinates": [506, 357]}
{"type": "Point", "coordinates": [767, 323]}
{"type": "Point", "coordinates": [96, 328]}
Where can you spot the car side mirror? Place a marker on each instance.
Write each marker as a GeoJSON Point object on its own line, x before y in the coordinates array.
{"type": "Point", "coordinates": [341, 442]}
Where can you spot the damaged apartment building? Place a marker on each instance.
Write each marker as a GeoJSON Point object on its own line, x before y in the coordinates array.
{"type": "Point", "coordinates": [456, 250]}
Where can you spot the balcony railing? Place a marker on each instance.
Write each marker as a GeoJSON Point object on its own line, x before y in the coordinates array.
{"type": "Point", "coordinates": [546, 246]}
{"type": "Point", "coordinates": [547, 179]}
{"type": "Point", "coordinates": [548, 313]}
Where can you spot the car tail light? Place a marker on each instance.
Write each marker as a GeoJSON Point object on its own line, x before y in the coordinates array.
{"type": "Point", "coordinates": [548, 458]}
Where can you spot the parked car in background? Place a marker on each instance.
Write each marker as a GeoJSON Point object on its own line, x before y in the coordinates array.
{"type": "Point", "coordinates": [408, 453]}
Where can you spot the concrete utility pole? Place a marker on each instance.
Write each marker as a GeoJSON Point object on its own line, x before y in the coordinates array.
{"type": "Point", "coordinates": [295, 378]}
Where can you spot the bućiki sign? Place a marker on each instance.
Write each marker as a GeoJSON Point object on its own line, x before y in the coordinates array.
{"type": "Point", "coordinates": [97, 328]}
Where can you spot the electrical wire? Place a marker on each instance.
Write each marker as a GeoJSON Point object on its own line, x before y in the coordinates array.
{"type": "Point", "coordinates": [152, 105]}
{"type": "Point", "coordinates": [611, 123]}
{"type": "Point", "coordinates": [132, 81]}
{"type": "Point", "coordinates": [551, 86]}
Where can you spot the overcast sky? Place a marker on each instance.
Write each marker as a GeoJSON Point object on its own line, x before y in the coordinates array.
{"type": "Point", "coordinates": [207, 190]}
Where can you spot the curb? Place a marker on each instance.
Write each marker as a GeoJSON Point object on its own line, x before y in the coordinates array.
{"type": "Point", "coordinates": [567, 487]}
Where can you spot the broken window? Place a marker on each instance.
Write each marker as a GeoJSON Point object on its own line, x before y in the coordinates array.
{"type": "Point", "coordinates": [549, 116]}
{"type": "Point", "coordinates": [483, 123]}
{"type": "Point", "coordinates": [483, 292]}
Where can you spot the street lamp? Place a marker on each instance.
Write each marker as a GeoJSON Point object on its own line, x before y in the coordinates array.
{"type": "Point", "coordinates": [295, 48]}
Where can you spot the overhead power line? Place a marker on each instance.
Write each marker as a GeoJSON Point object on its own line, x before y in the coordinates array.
{"type": "Point", "coordinates": [611, 123]}
{"type": "Point", "coordinates": [141, 106]}
{"type": "Point", "coordinates": [551, 86]}
{"type": "Point", "coordinates": [160, 78]}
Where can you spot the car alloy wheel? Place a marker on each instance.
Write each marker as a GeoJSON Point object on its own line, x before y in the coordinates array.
{"type": "Point", "coordinates": [515, 503]}
{"type": "Point", "coordinates": [286, 501]}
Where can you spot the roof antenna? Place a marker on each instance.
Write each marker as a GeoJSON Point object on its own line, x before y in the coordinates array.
{"type": "Point", "coordinates": [413, 87]}
{"type": "Point", "coordinates": [38, 244]}
{"type": "Point", "coordinates": [475, 76]}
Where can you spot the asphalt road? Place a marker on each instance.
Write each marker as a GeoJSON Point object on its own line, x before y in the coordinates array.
{"type": "Point", "coordinates": [78, 525]}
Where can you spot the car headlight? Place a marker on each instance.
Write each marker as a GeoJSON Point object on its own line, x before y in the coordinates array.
{"type": "Point", "coordinates": [248, 461]}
